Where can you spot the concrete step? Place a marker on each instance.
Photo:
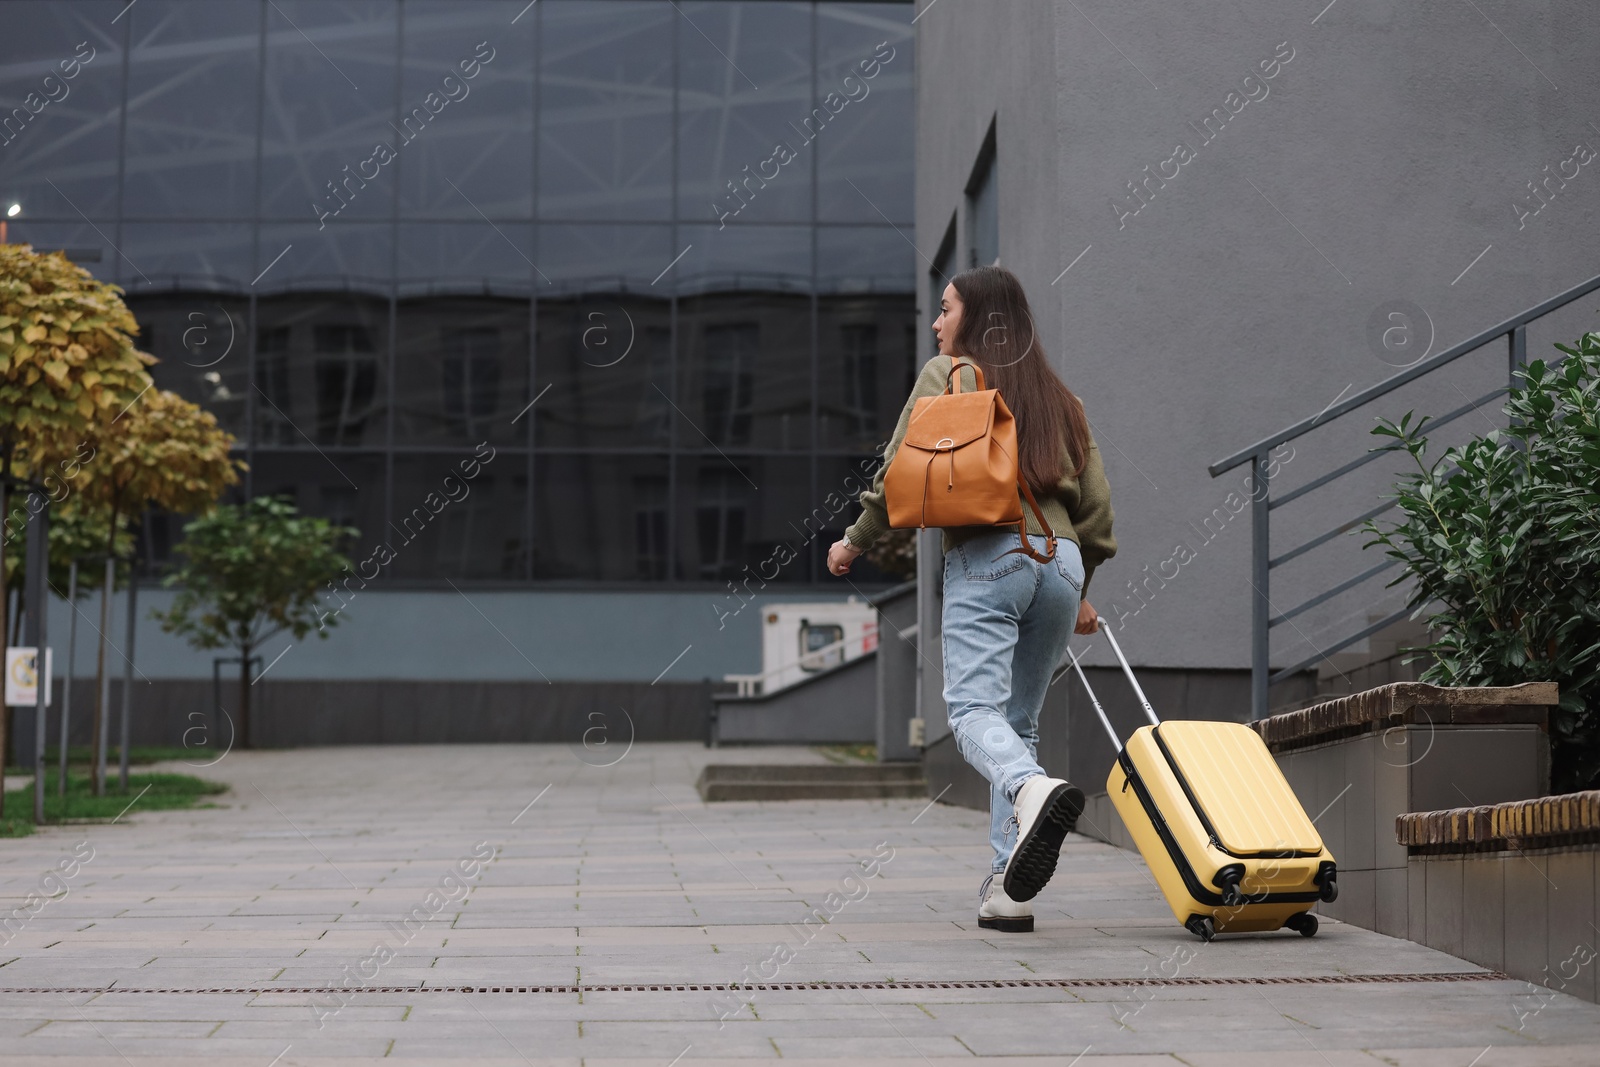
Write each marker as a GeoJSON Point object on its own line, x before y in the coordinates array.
{"type": "Point", "coordinates": [820, 781]}
{"type": "Point", "coordinates": [811, 772]}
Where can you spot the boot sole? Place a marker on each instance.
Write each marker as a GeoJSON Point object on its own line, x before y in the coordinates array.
{"type": "Point", "coordinates": [1007, 924]}
{"type": "Point", "coordinates": [1034, 860]}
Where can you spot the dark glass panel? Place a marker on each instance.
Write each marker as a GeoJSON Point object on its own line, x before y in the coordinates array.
{"type": "Point", "coordinates": [605, 98]}
{"type": "Point", "coordinates": [469, 258]}
{"type": "Point", "coordinates": [867, 366]}
{"type": "Point", "coordinates": [476, 154]}
{"type": "Point", "coordinates": [742, 257]}
{"type": "Point", "coordinates": [86, 245]}
{"type": "Point", "coordinates": [186, 256]}
{"type": "Point", "coordinates": [745, 88]}
{"type": "Point", "coordinates": [746, 518]}
{"type": "Point", "coordinates": [193, 70]}
{"type": "Point", "coordinates": [600, 518]}
{"type": "Point", "coordinates": [330, 101]}
{"type": "Point", "coordinates": [460, 515]}
{"type": "Point", "coordinates": [865, 155]}
{"type": "Point", "coordinates": [355, 256]}
{"type": "Point", "coordinates": [320, 371]}
{"type": "Point", "coordinates": [841, 481]}
{"type": "Point", "coordinates": [60, 108]}
{"type": "Point", "coordinates": [461, 372]}
{"type": "Point", "coordinates": [865, 259]}
{"type": "Point", "coordinates": [346, 489]}
{"type": "Point", "coordinates": [203, 346]}
{"type": "Point", "coordinates": [604, 259]}
{"type": "Point", "coordinates": [744, 372]}
{"type": "Point", "coordinates": [605, 371]}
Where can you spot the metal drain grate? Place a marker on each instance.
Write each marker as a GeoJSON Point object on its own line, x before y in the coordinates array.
{"type": "Point", "coordinates": [805, 987]}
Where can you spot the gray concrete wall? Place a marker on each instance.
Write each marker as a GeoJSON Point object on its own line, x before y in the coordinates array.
{"type": "Point", "coordinates": [631, 635]}
{"type": "Point", "coordinates": [1382, 162]}
{"type": "Point", "coordinates": [598, 720]}
{"type": "Point", "coordinates": [838, 706]}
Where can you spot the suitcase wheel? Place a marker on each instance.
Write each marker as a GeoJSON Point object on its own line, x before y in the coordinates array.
{"type": "Point", "coordinates": [1202, 927]}
{"type": "Point", "coordinates": [1304, 923]}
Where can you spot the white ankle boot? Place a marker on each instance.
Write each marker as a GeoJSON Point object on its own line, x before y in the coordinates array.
{"type": "Point", "coordinates": [996, 911]}
{"type": "Point", "coordinates": [1047, 811]}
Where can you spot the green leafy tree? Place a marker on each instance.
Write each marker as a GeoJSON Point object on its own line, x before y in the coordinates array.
{"type": "Point", "coordinates": [162, 451]}
{"type": "Point", "coordinates": [250, 572]}
{"type": "Point", "coordinates": [68, 366]}
{"type": "Point", "coordinates": [1502, 537]}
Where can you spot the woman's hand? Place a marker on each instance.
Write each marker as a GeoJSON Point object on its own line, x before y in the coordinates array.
{"type": "Point", "coordinates": [1088, 619]}
{"type": "Point", "coordinates": [841, 555]}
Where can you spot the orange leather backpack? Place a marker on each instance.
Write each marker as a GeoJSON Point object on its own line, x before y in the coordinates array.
{"type": "Point", "coordinates": [957, 466]}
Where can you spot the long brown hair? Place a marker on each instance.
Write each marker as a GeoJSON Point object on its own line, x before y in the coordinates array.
{"type": "Point", "coordinates": [997, 332]}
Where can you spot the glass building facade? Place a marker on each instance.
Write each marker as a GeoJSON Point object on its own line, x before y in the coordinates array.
{"type": "Point", "coordinates": [643, 266]}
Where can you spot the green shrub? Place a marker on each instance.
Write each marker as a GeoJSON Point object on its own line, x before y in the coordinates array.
{"type": "Point", "coordinates": [1502, 538]}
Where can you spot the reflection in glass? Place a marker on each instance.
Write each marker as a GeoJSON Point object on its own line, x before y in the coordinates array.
{"type": "Point", "coordinates": [600, 518]}
{"type": "Point", "coordinates": [477, 258]}
{"type": "Point", "coordinates": [461, 370]}
{"type": "Point", "coordinates": [513, 267]}
{"type": "Point", "coordinates": [330, 84]}
{"type": "Point", "coordinates": [319, 371]}
{"type": "Point", "coordinates": [605, 371]}
{"type": "Point", "coordinates": [744, 371]}
{"type": "Point", "coordinates": [346, 489]}
{"type": "Point", "coordinates": [203, 349]}
{"type": "Point", "coordinates": [864, 161]}
{"type": "Point", "coordinates": [744, 89]}
{"type": "Point", "coordinates": [61, 88]}
{"type": "Point", "coordinates": [182, 256]}
{"type": "Point", "coordinates": [477, 153]}
{"type": "Point", "coordinates": [605, 123]}
{"type": "Point", "coordinates": [191, 125]}
{"type": "Point", "coordinates": [747, 518]}
{"type": "Point", "coordinates": [867, 351]}
{"type": "Point", "coordinates": [460, 515]}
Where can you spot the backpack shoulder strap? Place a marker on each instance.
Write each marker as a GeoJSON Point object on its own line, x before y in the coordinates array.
{"type": "Point", "coordinates": [952, 382]}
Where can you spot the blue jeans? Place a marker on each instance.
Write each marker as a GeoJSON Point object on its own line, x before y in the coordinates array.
{"type": "Point", "coordinates": [1006, 624]}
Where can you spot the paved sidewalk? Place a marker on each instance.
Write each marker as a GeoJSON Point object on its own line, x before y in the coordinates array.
{"type": "Point", "coordinates": [524, 866]}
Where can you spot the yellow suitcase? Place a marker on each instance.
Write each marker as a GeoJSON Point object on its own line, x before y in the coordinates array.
{"type": "Point", "coordinates": [1226, 838]}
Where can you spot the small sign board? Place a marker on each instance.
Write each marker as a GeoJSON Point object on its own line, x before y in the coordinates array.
{"type": "Point", "coordinates": [22, 677]}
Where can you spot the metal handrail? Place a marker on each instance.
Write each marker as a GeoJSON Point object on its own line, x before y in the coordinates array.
{"type": "Point", "coordinates": [1263, 616]}
{"type": "Point", "coordinates": [1390, 384]}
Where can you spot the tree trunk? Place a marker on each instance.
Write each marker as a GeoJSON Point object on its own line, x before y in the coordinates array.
{"type": "Point", "coordinates": [244, 696]}
{"type": "Point", "coordinates": [102, 700]}
{"type": "Point", "coordinates": [102, 696]}
{"type": "Point", "coordinates": [127, 676]}
{"type": "Point", "coordinates": [72, 659]}
{"type": "Point", "coordinates": [5, 623]}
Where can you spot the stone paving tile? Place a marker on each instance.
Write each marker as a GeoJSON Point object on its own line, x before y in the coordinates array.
{"type": "Point", "coordinates": [621, 875]}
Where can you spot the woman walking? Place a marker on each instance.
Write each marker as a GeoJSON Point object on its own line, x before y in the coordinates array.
{"type": "Point", "coordinates": [1007, 617]}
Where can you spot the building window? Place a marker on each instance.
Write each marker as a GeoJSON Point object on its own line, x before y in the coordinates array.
{"type": "Point", "coordinates": [720, 522]}
{"type": "Point", "coordinates": [347, 377]}
{"type": "Point", "coordinates": [730, 380]}
{"type": "Point", "coordinates": [470, 376]}
{"type": "Point", "coordinates": [983, 208]}
{"type": "Point", "coordinates": [272, 378]}
{"type": "Point", "coordinates": [650, 528]}
{"type": "Point", "coordinates": [859, 346]}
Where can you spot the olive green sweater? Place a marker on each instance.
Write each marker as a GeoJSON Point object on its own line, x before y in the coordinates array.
{"type": "Point", "coordinates": [1079, 509]}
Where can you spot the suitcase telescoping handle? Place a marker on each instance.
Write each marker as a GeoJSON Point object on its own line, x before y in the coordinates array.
{"type": "Point", "coordinates": [1127, 670]}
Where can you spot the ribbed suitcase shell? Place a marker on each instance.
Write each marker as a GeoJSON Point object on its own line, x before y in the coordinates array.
{"type": "Point", "coordinates": [1199, 796]}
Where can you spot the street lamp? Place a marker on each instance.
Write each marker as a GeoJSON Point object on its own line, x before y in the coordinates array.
{"type": "Point", "coordinates": [11, 212]}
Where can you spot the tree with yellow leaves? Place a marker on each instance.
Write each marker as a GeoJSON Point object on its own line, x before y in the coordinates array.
{"type": "Point", "coordinates": [68, 367]}
{"type": "Point", "coordinates": [163, 452]}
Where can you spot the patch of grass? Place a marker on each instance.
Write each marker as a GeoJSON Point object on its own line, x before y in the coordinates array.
{"type": "Point", "coordinates": [849, 753]}
{"type": "Point", "coordinates": [165, 792]}
{"type": "Point", "coordinates": [138, 755]}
